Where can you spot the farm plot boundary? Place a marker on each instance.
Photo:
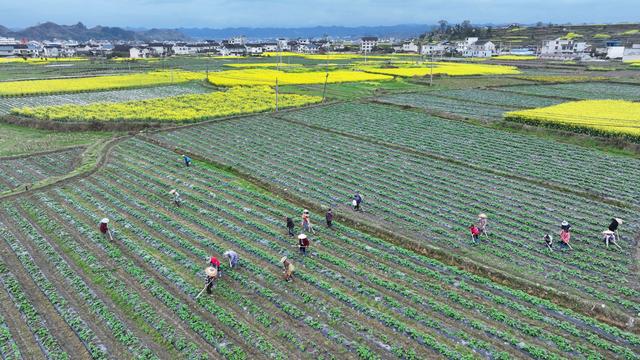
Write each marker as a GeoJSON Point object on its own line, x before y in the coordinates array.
{"type": "Point", "coordinates": [605, 315]}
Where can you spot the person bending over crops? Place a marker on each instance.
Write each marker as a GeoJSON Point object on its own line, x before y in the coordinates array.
{"type": "Point", "coordinates": [565, 235]}
{"type": "Point", "coordinates": [615, 222]}
{"type": "Point", "coordinates": [210, 278]}
{"type": "Point", "coordinates": [233, 258]}
{"type": "Point", "coordinates": [215, 263]}
{"type": "Point", "coordinates": [290, 226]}
{"type": "Point", "coordinates": [187, 160]}
{"type": "Point", "coordinates": [357, 202]}
{"type": "Point", "coordinates": [548, 240]}
{"type": "Point", "coordinates": [482, 224]}
{"type": "Point", "coordinates": [288, 268]}
{"type": "Point", "coordinates": [610, 238]}
{"type": "Point", "coordinates": [104, 228]}
{"type": "Point", "coordinates": [176, 197]}
{"type": "Point", "coordinates": [475, 233]}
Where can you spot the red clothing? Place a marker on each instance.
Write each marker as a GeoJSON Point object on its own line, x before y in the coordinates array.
{"type": "Point", "coordinates": [474, 230]}
{"type": "Point", "coordinates": [565, 236]}
{"type": "Point", "coordinates": [304, 242]}
{"type": "Point", "coordinates": [215, 262]}
{"type": "Point", "coordinates": [103, 228]}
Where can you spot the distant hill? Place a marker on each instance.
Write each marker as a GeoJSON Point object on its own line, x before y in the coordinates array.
{"type": "Point", "coordinates": [79, 32]}
{"type": "Point", "coordinates": [397, 31]}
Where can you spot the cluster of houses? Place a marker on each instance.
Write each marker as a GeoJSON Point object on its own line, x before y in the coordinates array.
{"type": "Point", "coordinates": [560, 48]}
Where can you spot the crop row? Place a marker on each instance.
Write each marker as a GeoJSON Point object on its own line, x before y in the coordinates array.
{"type": "Point", "coordinates": [496, 97]}
{"type": "Point", "coordinates": [591, 90]}
{"type": "Point", "coordinates": [433, 200]}
{"type": "Point", "coordinates": [27, 170]}
{"type": "Point", "coordinates": [530, 157]}
{"type": "Point", "coordinates": [327, 251]}
{"type": "Point", "coordinates": [8, 103]}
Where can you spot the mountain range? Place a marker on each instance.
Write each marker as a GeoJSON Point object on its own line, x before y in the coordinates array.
{"type": "Point", "coordinates": [79, 32]}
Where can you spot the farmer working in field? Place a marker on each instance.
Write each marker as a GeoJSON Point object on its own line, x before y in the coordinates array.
{"type": "Point", "coordinates": [482, 224]}
{"type": "Point", "coordinates": [104, 228]}
{"type": "Point", "coordinates": [215, 263]}
{"type": "Point", "coordinates": [357, 202]}
{"type": "Point", "coordinates": [233, 258]}
{"type": "Point", "coordinates": [303, 244]}
{"type": "Point", "coordinates": [288, 268]}
{"type": "Point", "coordinates": [290, 226]}
{"type": "Point", "coordinates": [548, 240]}
{"type": "Point", "coordinates": [615, 222]}
{"type": "Point", "coordinates": [176, 197]}
{"type": "Point", "coordinates": [210, 278]}
{"type": "Point", "coordinates": [187, 160]}
{"type": "Point", "coordinates": [475, 232]}
{"type": "Point", "coordinates": [565, 235]}
{"type": "Point", "coordinates": [329, 218]}
{"type": "Point", "coordinates": [306, 221]}
{"type": "Point", "coordinates": [610, 237]}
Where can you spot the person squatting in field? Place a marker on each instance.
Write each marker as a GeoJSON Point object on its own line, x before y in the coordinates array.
{"type": "Point", "coordinates": [187, 160]}
{"type": "Point", "coordinates": [104, 228]}
{"type": "Point", "coordinates": [215, 263]}
{"type": "Point", "coordinates": [548, 240]}
{"type": "Point", "coordinates": [475, 233]}
{"type": "Point", "coordinates": [177, 200]}
{"type": "Point", "coordinates": [233, 258]}
{"type": "Point", "coordinates": [288, 268]}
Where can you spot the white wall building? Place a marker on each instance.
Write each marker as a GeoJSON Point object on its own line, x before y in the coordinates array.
{"type": "Point", "coordinates": [632, 53]}
{"type": "Point", "coordinates": [615, 52]}
{"type": "Point", "coordinates": [410, 47]}
{"type": "Point", "coordinates": [368, 43]}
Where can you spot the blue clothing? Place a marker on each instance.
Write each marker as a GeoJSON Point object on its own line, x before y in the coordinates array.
{"type": "Point", "coordinates": [187, 160]}
{"type": "Point", "coordinates": [233, 257]}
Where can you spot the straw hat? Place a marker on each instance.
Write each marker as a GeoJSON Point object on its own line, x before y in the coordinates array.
{"type": "Point", "coordinates": [104, 221]}
{"type": "Point", "coordinates": [284, 258]}
{"type": "Point", "coordinates": [618, 220]}
{"type": "Point", "coordinates": [608, 232]}
{"type": "Point", "coordinates": [302, 236]}
{"type": "Point", "coordinates": [173, 191]}
{"type": "Point", "coordinates": [564, 223]}
{"type": "Point", "coordinates": [211, 271]}
{"type": "Point", "coordinates": [482, 216]}
{"type": "Point", "coordinates": [305, 211]}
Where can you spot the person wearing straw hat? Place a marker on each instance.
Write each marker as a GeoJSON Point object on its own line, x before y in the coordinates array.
{"type": "Point", "coordinates": [610, 237]}
{"type": "Point", "coordinates": [306, 221]}
{"type": "Point", "coordinates": [187, 160]}
{"type": "Point", "coordinates": [303, 244]}
{"type": "Point", "coordinates": [176, 197]}
{"type": "Point", "coordinates": [104, 228]}
{"type": "Point", "coordinates": [565, 235]}
{"type": "Point", "coordinates": [615, 222]}
{"type": "Point", "coordinates": [210, 279]}
{"type": "Point", "coordinates": [233, 258]}
{"type": "Point", "coordinates": [288, 268]}
{"type": "Point", "coordinates": [482, 224]}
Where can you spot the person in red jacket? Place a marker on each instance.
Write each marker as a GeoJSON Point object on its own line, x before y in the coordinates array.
{"type": "Point", "coordinates": [475, 232]}
{"type": "Point", "coordinates": [303, 244]}
{"type": "Point", "coordinates": [565, 235]}
{"type": "Point", "coordinates": [104, 228]}
{"type": "Point", "coordinates": [215, 263]}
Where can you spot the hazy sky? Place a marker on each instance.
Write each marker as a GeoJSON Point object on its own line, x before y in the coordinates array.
{"type": "Point", "coordinates": [293, 13]}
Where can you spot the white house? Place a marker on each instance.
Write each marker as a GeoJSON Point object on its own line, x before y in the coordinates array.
{"type": "Point", "coordinates": [615, 52]}
{"type": "Point", "coordinates": [283, 44]}
{"type": "Point", "coordinates": [368, 43]}
{"type": "Point", "coordinates": [562, 46]}
{"type": "Point", "coordinates": [433, 49]}
{"type": "Point", "coordinates": [139, 52]}
{"type": "Point", "coordinates": [632, 53]}
{"type": "Point", "coordinates": [480, 49]}
{"type": "Point", "coordinates": [238, 40]}
{"type": "Point", "coordinates": [461, 46]}
{"type": "Point", "coordinates": [254, 49]}
{"type": "Point", "coordinates": [410, 47]}
{"type": "Point", "coordinates": [180, 49]}
{"type": "Point", "coordinates": [270, 47]}
{"type": "Point", "coordinates": [52, 50]}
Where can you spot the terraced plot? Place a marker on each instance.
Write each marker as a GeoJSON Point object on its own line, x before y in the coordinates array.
{"type": "Point", "coordinates": [353, 296]}
{"type": "Point", "coordinates": [433, 202]}
{"type": "Point", "coordinates": [25, 170]}
{"type": "Point", "coordinates": [8, 103]}
{"type": "Point", "coordinates": [593, 90]}
{"type": "Point", "coordinates": [569, 166]}
{"type": "Point", "coordinates": [496, 97]}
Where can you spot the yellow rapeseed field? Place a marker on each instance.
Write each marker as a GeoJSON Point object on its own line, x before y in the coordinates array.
{"type": "Point", "coordinates": [32, 87]}
{"type": "Point", "coordinates": [598, 117]}
{"type": "Point", "coordinates": [268, 77]}
{"type": "Point", "coordinates": [446, 68]}
{"type": "Point", "coordinates": [184, 108]}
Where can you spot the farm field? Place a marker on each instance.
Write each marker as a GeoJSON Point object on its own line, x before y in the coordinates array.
{"type": "Point", "coordinates": [23, 170]}
{"type": "Point", "coordinates": [497, 97]}
{"type": "Point", "coordinates": [137, 300]}
{"type": "Point", "coordinates": [266, 77]}
{"type": "Point", "coordinates": [18, 140]}
{"type": "Point", "coordinates": [52, 86]}
{"type": "Point", "coordinates": [600, 117]}
{"type": "Point", "coordinates": [184, 108]}
{"type": "Point", "coordinates": [594, 90]}
{"type": "Point", "coordinates": [483, 148]}
{"type": "Point", "coordinates": [8, 103]}
{"type": "Point", "coordinates": [432, 201]}
{"type": "Point", "coordinates": [458, 108]}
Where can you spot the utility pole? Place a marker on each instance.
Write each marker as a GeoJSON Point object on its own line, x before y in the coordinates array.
{"type": "Point", "coordinates": [324, 90]}
{"type": "Point", "coordinates": [276, 94]}
{"type": "Point", "coordinates": [431, 71]}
